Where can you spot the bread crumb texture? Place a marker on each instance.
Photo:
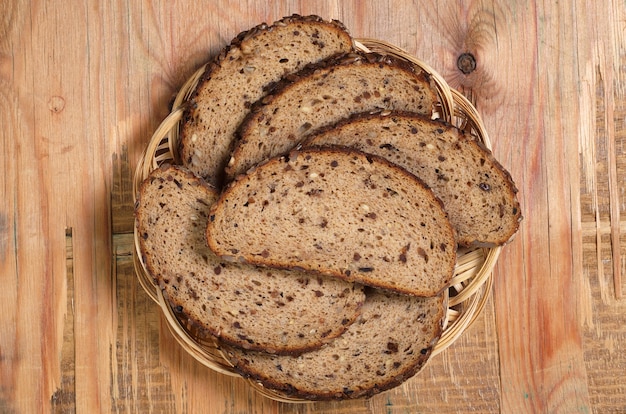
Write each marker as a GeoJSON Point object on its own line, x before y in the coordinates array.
{"type": "Point", "coordinates": [338, 212]}
{"type": "Point", "coordinates": [322, 94]}
{"type": "Point", "coordinates": [477, 192]}
{"type": "Point", "coordinates": [240, 75]}
{"type": "Point", "coordinates": [272, 310]}
{"type": "Point", "coordinates": [389, 343]}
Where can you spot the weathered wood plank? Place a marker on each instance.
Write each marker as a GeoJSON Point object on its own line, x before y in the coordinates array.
{"type": "Point", "coordinates": [541, 351]}
{"type": "Point", "coordinates": [35, 246]}
{"type": "Point", "coordinates": [82, 88]}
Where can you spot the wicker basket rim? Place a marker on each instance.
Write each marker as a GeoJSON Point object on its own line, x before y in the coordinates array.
{"type": "Point", "coordinates": [470, 287]}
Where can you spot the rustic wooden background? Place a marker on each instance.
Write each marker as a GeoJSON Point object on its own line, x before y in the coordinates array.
{"type": "Point", "coordinates": [84, 84]}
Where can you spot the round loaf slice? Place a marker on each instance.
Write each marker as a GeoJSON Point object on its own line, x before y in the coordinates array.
{"type": "Point", "coordinates": [339, 212]}
{"type": "Point", "coordinates": [322, 94]}
{"type": "Point", "coordinates": [477, 192]}
{"type": "Point", "coordinates": [239, 76]}
{"type": "Point", "coordinates": [264, 309]}
{"type": "Point", "coordinates": [388, 344]}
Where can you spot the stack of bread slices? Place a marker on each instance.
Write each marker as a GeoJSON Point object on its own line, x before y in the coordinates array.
{"type": "Point", "coordinates": [312, 227]}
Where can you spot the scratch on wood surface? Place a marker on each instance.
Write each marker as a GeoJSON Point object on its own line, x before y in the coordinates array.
{"type": "Point", "coordinates": [605, 131]}
{"type": "Point", "coordinates": [614, 208]}
{"type": "Point", "coordinates": [603, 227]}
{"type": "Point", "coordinates": [599, 246]}
{"type": "Point", "coordinates": [138, 378]}
{"type": "Point", "coordinates": [615, 227]}
{"type": "Point", "coordinates": [587, 131]}
{"type": "Point", "coordinates": [586, 311]}
{"type": "Point", "coordinates": [64, 398]}
{"type": "Point", "coordinates": [614, 205]}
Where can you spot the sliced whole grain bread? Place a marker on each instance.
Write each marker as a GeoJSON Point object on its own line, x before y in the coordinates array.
{"type": "Point", "coordinates": [477, 192]}
{"type": "Point", "coordinates": [322, 94]}
{"type": "Point", "coordinates": [390, 342]}
{"type": "Point", "coordinates": [263, 309]}
{"type": "Point", "coordinates": [239, 76]}
{"type": "Point", "coordinates": [340, 212]}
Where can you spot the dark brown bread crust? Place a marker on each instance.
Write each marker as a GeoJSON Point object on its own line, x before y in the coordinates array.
{"type": "Point", "coordinates": [294, 18]}
{"type": "Point", "coordinates": [351, 58]}
{"type": "Point", "coordinates": [190, 114]}
{"type": "Point", "coordinates": [244, 36]}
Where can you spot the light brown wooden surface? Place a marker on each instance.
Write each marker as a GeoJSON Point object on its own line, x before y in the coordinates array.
{"type": "Point", "coordinates": [84, 85]}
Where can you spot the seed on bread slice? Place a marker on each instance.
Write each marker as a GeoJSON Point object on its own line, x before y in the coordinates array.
{"type": "Point", "coordinates": [339, 212]}
{"type": "Point", "coordinates": [477, 192]}
{"type": "Point", "coordinates": [270, 310]}
{"type": "Point", "coordinates": [390, 342]}
{"type": "Point", "coordinates": [240, 75]}
{"type": "Point", "coordinates": [322, 94]}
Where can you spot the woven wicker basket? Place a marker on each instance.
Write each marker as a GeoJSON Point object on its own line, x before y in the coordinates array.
{"type": "Point", "coordinates": [471, 284]}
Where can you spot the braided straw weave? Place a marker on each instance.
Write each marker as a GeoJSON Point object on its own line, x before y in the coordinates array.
{"type": "Point", "coordinates": [470, 287]}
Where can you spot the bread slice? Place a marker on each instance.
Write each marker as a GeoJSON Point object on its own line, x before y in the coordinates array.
{"type": "Point", "coordinates": [338, 212]}
{"type": "Point", "coordinates": [477, 192]}
{"type": "Point", "coordinates": [264, 309]}
{"type": "Point", "coordinates": [389, 343]}
{"type": "Point", "coordinates": [239, 76]}
{"type": "Point", "coordinates": [323, 94]}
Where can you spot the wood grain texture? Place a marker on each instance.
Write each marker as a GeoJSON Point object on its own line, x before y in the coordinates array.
{"type": "Point", "coordinates": [84, 85]}
{"type": "Point", "coordinates": [546, 376]}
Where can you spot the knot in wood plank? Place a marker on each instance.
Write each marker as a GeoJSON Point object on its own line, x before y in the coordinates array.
{"type": "Point", "coordinates": [466, 62]}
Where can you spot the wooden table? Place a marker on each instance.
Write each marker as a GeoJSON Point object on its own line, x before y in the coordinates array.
{"type": "Point", "coordinates": [84, 84]}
